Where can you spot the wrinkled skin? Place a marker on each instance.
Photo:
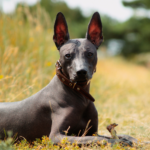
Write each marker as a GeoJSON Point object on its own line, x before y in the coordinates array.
{"type": "Point", "coordinates": [57, 107]}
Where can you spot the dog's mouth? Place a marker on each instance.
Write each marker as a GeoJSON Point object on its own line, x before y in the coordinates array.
{"type": "Point", "coordinates": [80, 81]}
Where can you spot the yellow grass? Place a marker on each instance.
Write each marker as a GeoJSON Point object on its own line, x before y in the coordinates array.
{"type": "Point", "coordinates": [27, 59]}
{"type": "Point", "coordinates": [123, 96]}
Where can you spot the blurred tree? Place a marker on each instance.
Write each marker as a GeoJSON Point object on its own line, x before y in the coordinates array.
{"type": "Point", "coordinates": [77, 23]}
{"type": "Point", "coordinates": [137, 29]}
{"type": "Point", "coordinates": [133, 35]}
{"type": "Point", "coordinates": [138, 4]}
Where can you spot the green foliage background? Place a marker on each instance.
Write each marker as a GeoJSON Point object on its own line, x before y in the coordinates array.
{"type": "Point", "coordinates": [134, 33]}
{"type": "Point", "coordinates": [27, 59]}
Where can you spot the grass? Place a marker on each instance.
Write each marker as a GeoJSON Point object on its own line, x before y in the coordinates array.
{"type": "Point", "coordinates": [27, 59]}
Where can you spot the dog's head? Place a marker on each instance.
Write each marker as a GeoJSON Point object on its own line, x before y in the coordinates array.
{"type": "Point", "coordinates": [78, 57]}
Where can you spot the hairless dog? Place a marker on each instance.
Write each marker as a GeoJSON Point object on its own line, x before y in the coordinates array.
{"type": "Point", "coordinates": [65, 103]}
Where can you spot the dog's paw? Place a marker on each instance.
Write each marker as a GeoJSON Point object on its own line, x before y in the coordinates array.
{"type": "Point", "coordinates": [122, 142]}
{"type": "Point", "coordinates": [125, 142]}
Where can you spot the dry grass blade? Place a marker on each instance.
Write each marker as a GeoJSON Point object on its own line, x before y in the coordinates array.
{"type": "Point", "coordinates": [111, 129]}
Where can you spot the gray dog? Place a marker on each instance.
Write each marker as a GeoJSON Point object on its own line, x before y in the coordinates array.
{"type": "Point", "coordinates": [65, 103]}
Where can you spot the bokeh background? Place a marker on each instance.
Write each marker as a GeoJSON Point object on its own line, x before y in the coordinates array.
{"type": "Point", "coordinates": [121, 85]}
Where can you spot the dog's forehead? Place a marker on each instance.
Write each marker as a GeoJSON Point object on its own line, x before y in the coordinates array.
{"type": "Point", "coordinates": [80, 44]}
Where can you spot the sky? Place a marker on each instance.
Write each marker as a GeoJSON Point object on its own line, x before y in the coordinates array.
{"type": "Point", "coordinates": [113, 8]}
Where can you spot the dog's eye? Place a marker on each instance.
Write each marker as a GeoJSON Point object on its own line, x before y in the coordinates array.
{"type": "Point", "coordinates": [68, 56]}
{"type": "Point", "coordinates": [90, 54]}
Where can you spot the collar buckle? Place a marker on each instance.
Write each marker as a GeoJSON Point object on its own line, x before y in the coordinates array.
{"type": "Point", "coordinates": [74, 84]}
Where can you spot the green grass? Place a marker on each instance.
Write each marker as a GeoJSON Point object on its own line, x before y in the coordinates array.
{"type": "Point", "coordinates": [27, 64]}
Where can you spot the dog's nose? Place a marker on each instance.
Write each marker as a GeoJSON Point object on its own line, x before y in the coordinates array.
{"type": "Point", "coordinates": [81, 72]}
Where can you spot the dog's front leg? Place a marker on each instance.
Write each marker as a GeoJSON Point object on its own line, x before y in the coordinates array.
{"type": "Point", "coordinates": [56, 136]}
{"type": "Point", "coordinates": [80, 140]}
{"type": "Point", "coordinates": [69, 119]}
{"type": "Point", "coordinates": [61, 122]}
{"type": "Point", "coordinates": [123, 138]}
{"type": "Point", "coordinates": [89, 140]}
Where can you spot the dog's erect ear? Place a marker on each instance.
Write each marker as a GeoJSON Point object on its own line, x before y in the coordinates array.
{"type": "Point", "coordinates": [94, 32]}
{"type": "Point", "coordinates": [61, 34]}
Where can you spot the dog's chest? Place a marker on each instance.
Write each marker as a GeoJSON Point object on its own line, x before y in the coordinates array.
{"type": "Point", "coordinates": [79, 123]}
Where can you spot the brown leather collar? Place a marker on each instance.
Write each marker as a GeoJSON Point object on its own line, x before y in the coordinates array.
{"type": "Point", "coordinates": [75, 86]}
